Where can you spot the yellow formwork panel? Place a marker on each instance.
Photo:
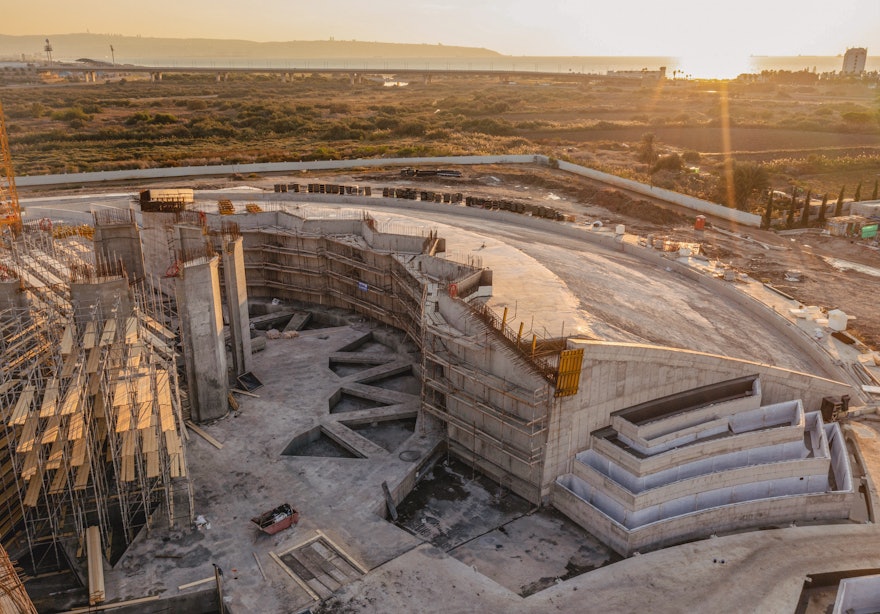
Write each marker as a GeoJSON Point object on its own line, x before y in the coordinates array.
{"type": "Point", "coordinates": [568, 378]}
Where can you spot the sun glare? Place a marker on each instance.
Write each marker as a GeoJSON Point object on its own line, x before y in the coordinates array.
{"type": "Point", "coordinates": [714, 66]}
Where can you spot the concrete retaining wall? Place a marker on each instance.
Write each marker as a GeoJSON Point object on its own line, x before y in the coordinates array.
{"type": "Point", "coordinates": [699, 524]}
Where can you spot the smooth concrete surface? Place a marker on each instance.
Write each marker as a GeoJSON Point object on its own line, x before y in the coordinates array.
{"type": "Point", "coordinates": [121, 242]}
{"type": "Point", "coordinates": [107, 298]}
{"type": "Point", "coordinates": [235, 287]}
{"type": "Point", "coordinates": [201, 324]}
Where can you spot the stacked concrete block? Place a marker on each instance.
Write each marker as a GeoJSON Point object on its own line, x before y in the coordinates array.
{"type": "Point", "coordinates": [706, 460]}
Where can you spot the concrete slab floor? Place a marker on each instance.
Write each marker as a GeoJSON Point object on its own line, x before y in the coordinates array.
{"type": "Point", "coordinates": [249, 475]}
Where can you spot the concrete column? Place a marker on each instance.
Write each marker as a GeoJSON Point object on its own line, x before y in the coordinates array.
{"type": "Point", "coordinates": [11, 296]}
{"type": "Point", "coordinates": [123, 242]}
{"type": "Point", "coordinates": [201, 330]}
{"type": "Point", "coordinates": [111, 297]}
{"type": "Point", "coordinates": [237, 305]}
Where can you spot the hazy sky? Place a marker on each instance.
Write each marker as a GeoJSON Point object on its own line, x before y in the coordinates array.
{"type": "Point", "coordinates": [681, 28]}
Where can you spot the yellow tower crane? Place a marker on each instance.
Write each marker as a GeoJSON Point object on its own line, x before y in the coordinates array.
{"type": "Point", "coordinates": [10, 212]}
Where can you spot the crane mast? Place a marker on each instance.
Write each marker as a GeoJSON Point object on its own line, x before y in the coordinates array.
{"type": "Point", "coordinates": [10, 212]}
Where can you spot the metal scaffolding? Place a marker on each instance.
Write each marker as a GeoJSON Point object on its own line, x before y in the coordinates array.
{"type": "Point", "coordinates": [92, 429]}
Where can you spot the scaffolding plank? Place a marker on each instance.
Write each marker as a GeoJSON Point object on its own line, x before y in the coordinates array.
{"type": "Point", "coordinates": [172, 442]}
{"type": "Point", "coordinates": [67, 340]}
{"type": "Point", "coordinates": [59, 481]}
{"type": "Point", "coordinates": [72, 399]}
{"type": "Point", "coordinates": [56, 455]}
{"type": "Point", "coordinates": [79, 455]}
{"type": "Point", "coordinates": [153, 465]}
{"type": "Point", "coordinates": [50, 399]}
{"type": "Point", "coordinates": [128, 469]}
{"type": "Point", "coordinates": [109, 333]}
{"type": "Point", "coordinates": [89, 336]}
{"type": "Point", "coordinates": [129, 444]}
{"type": "Point", "coordinates": [95, 560]}
{"type": "Point", "coordinates": [144, 401]}
{"type": "Point", "coordinates": [120, 393]}
{"type": "Point", "coordinates": [28, 437]}
{"type": "Point", "coordinates": [93, 360]}
{"type": "Point", "coordinates": [177, 468]}
{"type": "Point", "coordinates": [32, 497]}
{"type": "Point", "coordinates": [70, 362]}
{"type": "Point", "coordinates": [82, 476]}
{"type": "Point", "coordinates": [30, 464]}
{"type": "Point", "coordinates": [131, 330]}
{"type": "Point", "coordinates": [8, 385]}
{"type": "Point", "coordinates": [123, 419]}
{"type": "Point", "coordinates": [149, 439]}
{"type": "Point", "coordinates": [51, 432]}
{"type": "Point", "coordinates": [22, 406]}
{"type": "Point", "coordinates": [94, 383]}
{"type": "Point", "coordinates": [166, 413]}
{"type": "Point", "coordinates": [75, 427]}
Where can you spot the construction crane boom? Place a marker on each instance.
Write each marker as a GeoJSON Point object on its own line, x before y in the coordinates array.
{"type": "Point", "coordinates": [10, 211]}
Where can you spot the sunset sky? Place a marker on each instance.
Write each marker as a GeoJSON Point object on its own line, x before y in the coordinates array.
{"type": "Point", "coordinates": [680, 28]}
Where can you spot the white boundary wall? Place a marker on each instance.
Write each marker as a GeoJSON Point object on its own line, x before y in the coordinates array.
{"type": "Point", "coordinates": [690, 202]}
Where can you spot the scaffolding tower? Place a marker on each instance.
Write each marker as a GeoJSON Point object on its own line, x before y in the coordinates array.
{"type": "Point", "coordinates": [92, 432]}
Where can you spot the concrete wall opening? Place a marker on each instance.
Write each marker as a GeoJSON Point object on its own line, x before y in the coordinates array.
{"type": "Point", "coordinates": [319, 442]}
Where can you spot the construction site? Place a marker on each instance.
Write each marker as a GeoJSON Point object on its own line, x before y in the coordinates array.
{"type": "Point", "coordinates": [335, 401]}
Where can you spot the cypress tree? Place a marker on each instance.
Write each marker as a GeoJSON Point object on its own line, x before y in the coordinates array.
{"type": "Point", "coordinates": [822, 210]}
{"type": "Point", "coordinates": [838, 208]}
{"type": "Point", "coordinates": [876, 185]}
{"type": "Point", "coordinates": [805, 214]}
{"type": "Point", "coordinates": [858, 195]}
{"type": "Point", "coordinates": [789, 221]}
{"type": "Point", "coordinates": [768, 212]}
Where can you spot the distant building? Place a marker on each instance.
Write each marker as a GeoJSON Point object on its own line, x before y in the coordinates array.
{"type": "Point", "coordinates": [645, 74]}
{"type": "Point", "coordinates": [854, 61]}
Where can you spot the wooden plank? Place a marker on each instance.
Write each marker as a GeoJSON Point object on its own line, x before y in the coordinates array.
{"type": "Point", "coordinates": [334, 565]}
{"type": "Point", "coordinates": [22, 406]}
{"type": "Point", "coordinates": [128, 469]}
{"type": "Point", "coordinates": [94, 383]}
{"type": "Point", "coordinates": [149, 439]}
{"type": "Point", "coordinates": [204, 435]}
{"type": "Point", "coordinates": [82, 476]}
{"type": "Point", "coordinates": [172, 442]}
{"type": "Point", "coordinates": [129, 443]}
{"type": "Point", "coordinates": [163, 397]}
{"type": "Point", "coordinates": [152, 464]}
{"type": "Point", "coordinates": [72, 399]}
{"type": "Point", "coordinates": [177, 468]}
{"type": "Point", "coordinates": [56, 455]}
{"type": "Point", "coordinates": [78, 456]}
{"type": "Point", "coordinates": [75, 428]}
{"type": "Point", "coordinates": [112, 606]}
{"type": "Point", "coordinates": [70, 363]}
{"type": "Point", "coordinates": [131, 330]}
{"type": "Point", "coordinates": [183, 587]}
{"type": "Point", "coordinates": [28, 437]}
{"type": "Point", "coordinates": [67, 340]}
{"type": "Point", "coordinates": [259, 565]}
{"type": "Point", "coordinates": [109, 333]}
{"type": "Point", "coordinates": [50, 398]}
{"type": "Point", "coordinates": [89, 336]}
{"type": "Point", "coordinates": [98, 407]}
{"type": "Point", "coordinates": [342, 552]}
{"type": "Point", "coordinates": [32, 497]}
{"type": "Point", "coordinates": [295, 577]}
{"type": "Point", "coordinates": [59, 481]}
{"type": "Point", "coordinates": [93, 360]}
{"type": "Point", "coordinates": [312, 560]}
{"type": "Point", "coordinates": [95, 565]}
{"type": "Point", "coordinates": [52, 431]}
{"type": "Point", "coordinates": [29, 469]}
{"type": "Point", "coordinates": [144, 400]}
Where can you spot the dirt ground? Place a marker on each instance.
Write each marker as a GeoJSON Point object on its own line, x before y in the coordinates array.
{"type": "Point", "coordinates": [821, 284]}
